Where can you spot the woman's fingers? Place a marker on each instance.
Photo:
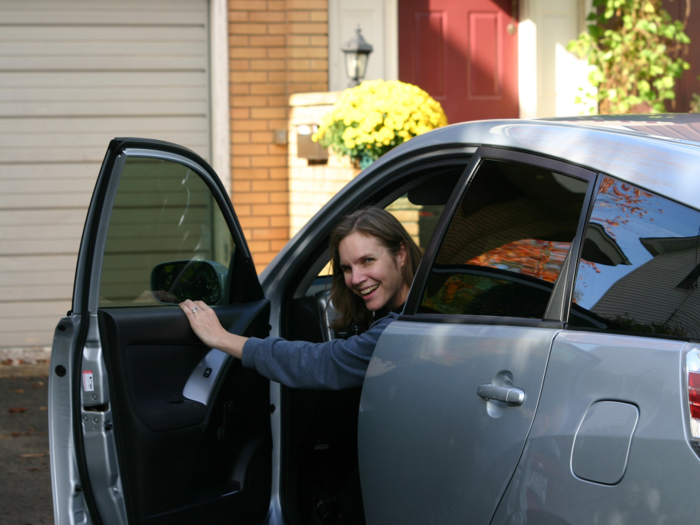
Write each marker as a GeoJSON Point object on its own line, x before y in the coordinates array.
{"type": "Point", "coordinates": [208, 328]}
{"type": "Point", "coordinates": [204, 322]}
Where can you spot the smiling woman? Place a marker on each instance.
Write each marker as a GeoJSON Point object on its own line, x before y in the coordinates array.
{"type": "Point", "coordinates": [374, 260]}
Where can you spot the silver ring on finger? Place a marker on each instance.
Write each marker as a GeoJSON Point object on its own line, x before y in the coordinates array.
{"type": "Point", "coordinates": [194, 310]}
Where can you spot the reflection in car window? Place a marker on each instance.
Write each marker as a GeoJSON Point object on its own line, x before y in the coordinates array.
{"type": "Point", "coordinates": [506, 243]}
{"type": "Point", "coordinates": [163, 211]}
{"type": "Point", "coordinates": [639, 266]}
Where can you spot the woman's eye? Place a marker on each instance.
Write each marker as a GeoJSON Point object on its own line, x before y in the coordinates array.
{"type": "Point", "coordinates": [369, 260]}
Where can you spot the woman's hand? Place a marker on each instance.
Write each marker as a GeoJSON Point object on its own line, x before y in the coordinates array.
{"type": "Point", "coordinates": [206, 325]}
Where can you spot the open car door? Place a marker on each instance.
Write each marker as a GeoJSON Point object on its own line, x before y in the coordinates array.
{"type": "Point", "coordinates": [147, 425]}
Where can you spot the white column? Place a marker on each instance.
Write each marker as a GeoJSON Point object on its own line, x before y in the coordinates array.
{"type": "Point", "coordinates": [220, 132]}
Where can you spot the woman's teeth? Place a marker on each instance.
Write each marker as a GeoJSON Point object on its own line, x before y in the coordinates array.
{"type": "Point", "coordinates": [369, 290]}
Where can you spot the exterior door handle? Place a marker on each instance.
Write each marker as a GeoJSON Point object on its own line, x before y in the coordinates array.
{"type": "Point", "coordinates": [509, 395]}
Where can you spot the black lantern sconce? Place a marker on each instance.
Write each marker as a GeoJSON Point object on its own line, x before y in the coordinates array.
{"type": "Point", "coordinates": [357, 52]}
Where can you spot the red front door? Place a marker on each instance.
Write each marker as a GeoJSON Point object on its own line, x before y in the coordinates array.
{"type": "Point", "coordinates": [464, 53]}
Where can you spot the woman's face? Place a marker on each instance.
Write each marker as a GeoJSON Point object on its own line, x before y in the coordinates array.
{"type": "Point", "coordinates": [372, 272]}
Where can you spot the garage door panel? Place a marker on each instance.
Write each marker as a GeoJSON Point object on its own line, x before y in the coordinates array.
{"type": "Point", "coordinates": [89, 93]}
{"type": "Point", "coordinates": [42, 234]}
{"type": "Point", "coordinates": [38, 279]}
{"type": "Point", "coordinates": [74, 74]}
{"type": "Point", "coordinates": [47, 247]}
{"type": "Point", "coordinates": [49, 311]}
{"type": "Point", "coordinates": [35, 265]}
{"type": "Point", "coordinates": [46, 200]}
{"type": "Point", "coordinates": [79, 142]}
{"type": "Point", "coordinates": [90, 12]}
{"type": "Point", "coordinates": [30, 336]}
{"type": "Point", "coordinates": [44, 292]}
{"type": "Point", "coordinates": [53, 155]}
{"type": "Point", "coordinates": [93, 155]}
{"type": "Point", "coordinates": [12, 219]}
{"type": "Point", "coordinates": [19, 187]}
{"type": "Point", "coordinates": [104, 79]}
{"type": "Point", "coordinates": [86, 172]}
{"type": "Point", "coordinates": [113, 33]}
{"type": "Point", "coordinates": [132, 47]}
{"type": "Point", "coordinates": [106, 108]}
{"type": "Point", "coordinates": [72, 63]}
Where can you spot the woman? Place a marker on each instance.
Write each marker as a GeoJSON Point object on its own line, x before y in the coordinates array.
{"type": "Point", "coordinates": [374, 261]}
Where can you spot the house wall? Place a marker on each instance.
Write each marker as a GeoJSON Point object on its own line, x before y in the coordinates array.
{"type": "Point", "coordinates": [276, 48]}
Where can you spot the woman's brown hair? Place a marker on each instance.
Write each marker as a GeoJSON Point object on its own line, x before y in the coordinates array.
{"type": "Point", "coordinates": [383, 226]}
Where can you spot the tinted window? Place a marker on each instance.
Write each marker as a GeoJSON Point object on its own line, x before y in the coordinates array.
{"type": "Point", "coordinates": [506, 243]}
{"type": "Point", "coordinates": [163, 212]}
{"type": "Point", "coordinates": [640, 264]}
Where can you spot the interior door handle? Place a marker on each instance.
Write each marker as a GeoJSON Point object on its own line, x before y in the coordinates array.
{"type": "Point", "coordinates": [511, 396]}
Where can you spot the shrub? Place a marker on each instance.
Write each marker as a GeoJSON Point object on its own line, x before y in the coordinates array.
{"type": "Point", "coordinates": [635, 48]}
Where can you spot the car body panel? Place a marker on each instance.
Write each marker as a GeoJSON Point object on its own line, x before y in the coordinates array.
{"type": "Point", "coordinates": [585, 369]}
{"type": "Point", "coordinates": [426, 437]}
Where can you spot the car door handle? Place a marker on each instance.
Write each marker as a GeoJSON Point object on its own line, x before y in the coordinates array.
{"type": "Point", "coordinates": [511, 396]}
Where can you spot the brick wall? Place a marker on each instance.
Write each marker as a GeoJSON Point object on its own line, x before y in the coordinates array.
{"type": "Point", "coordinates": [276, 49]}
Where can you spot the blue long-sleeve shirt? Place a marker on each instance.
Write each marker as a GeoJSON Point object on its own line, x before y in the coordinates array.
{"type": "Point", "coordinates": [334, 365]}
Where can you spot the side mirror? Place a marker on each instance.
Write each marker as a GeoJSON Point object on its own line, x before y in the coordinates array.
{"type": "Point", "coordinates": [174, 281]}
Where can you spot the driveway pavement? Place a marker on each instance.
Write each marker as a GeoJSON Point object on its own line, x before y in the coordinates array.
{"type": "Point", "coordinates": [25, 478]}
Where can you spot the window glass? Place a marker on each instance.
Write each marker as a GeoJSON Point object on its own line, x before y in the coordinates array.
{"type": "Point", "coordinates": [639, 266]}
{"type": "Point", "coordinates": [164, 213]}
{"type": "Point", "coordinates": [506, 243]}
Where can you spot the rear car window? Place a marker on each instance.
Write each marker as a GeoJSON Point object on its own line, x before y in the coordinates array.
{"type": "Point", "coordinates": [506, 243]}
{"type": "Point", "coordinates": [647, 261]}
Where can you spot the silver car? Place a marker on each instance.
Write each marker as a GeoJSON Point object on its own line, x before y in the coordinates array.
{"type": "Point", "coordinates": [545, 370]}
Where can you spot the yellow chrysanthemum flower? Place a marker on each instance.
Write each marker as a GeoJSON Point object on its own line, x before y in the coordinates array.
{"type": "Point", "coordinates": [376, 116]}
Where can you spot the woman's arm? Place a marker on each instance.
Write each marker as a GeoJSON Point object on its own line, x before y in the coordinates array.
{"type": "Point", "coordinates": [206, 325]}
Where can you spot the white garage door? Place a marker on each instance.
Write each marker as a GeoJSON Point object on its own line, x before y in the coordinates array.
{"type": "Point", "coordinates": [73, 75]}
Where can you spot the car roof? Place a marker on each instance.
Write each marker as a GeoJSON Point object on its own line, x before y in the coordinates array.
{"type": "Point", "coordinates": [660, 153]}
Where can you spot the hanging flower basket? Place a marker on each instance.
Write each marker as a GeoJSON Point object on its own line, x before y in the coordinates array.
{"type": "Point", "coordinates": [376, 116]}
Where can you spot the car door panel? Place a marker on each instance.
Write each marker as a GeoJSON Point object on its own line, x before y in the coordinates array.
{"type": "Point", "coordinates": [137, 449]}
{"type": "Point", "coordinates": [424, 432]}
{"type": "Point", "coordinates": [436, 445]}
{"type": "Point", "coordinates": [177, 453]}
{"type": "Point", "coordinates": [154, 354]}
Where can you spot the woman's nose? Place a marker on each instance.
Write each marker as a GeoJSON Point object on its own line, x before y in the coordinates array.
{"type": "Point", "coordinates": [357, 276]}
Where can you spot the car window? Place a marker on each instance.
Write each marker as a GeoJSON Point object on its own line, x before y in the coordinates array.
{"type": "Point", "coordinates": [506, 243]}
{"type": "Point", "coordinates": [639, 266]}
{"type": "Point", "coordinates": [163, 212]}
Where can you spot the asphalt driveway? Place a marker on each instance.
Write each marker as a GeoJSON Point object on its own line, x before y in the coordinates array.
{"type": "Point", "coordinates": [25, 478]}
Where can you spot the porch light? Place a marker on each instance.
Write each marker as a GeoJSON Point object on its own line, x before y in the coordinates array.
{"type": "Point", "coordinates": [357, 52]}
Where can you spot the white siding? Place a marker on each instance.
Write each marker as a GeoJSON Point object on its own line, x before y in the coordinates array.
{"type": "Point", "coordinates": [73, 75]}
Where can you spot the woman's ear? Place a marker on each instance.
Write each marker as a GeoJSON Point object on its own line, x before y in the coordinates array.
{"type": "Point", "coordinates": [401, 255]}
